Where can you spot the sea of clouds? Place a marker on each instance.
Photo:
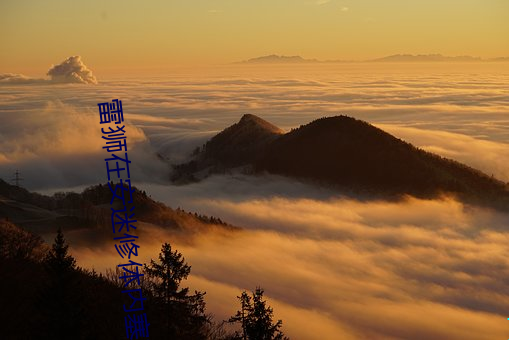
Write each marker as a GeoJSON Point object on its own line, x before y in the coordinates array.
{"type": "Point", "coordinates": [458, 113]}
{"type": "Point", "coordinates": [332, 267]}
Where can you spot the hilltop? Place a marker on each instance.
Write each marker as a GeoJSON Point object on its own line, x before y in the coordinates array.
{"type": "Point", "coordinates": [345, 153]}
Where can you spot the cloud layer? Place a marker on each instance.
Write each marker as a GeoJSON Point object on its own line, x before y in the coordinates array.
{"type": "Point", "coordinates": [59, 145]}
{"type": "Point", "coordinates": [340, 268]}
{"type": "Point", "coordinates": [18, 79]}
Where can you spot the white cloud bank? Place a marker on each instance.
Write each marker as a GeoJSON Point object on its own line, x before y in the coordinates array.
{"type": "Point", "coordinates": [333, 268]}
{"type": "Point", "coordinates": [344, 269]}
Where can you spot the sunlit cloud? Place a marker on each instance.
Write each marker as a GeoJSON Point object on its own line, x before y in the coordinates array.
{"type": "Point", "coordinates": [338, 267]}
{"type": "Point", "coordinates": [427, 266]}
{"type": "Point", "coordinates": [177, 114]}
{"type": "Point", "coordinates": [353, 261]}
{"type": "Point", "coordinates": [71, 70]}
{"type": "Point", "coordinates": [488, 156]}
{"type": "Point", "coordinates": [17, 78]}
{"type": "Point", "coordinates": [63, 145]}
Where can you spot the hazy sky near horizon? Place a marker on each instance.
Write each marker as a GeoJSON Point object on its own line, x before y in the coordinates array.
{"type": "Point", "coordinates": [133, 36]}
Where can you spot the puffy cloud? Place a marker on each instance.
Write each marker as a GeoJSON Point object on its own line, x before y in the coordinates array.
{"type": "Point", "coordinates": [72, 70]}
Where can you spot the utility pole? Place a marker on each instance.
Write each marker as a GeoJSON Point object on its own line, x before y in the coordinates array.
{"type": "Point", "coordinates": [17, 178]}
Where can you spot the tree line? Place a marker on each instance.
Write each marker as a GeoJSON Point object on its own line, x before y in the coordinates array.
{"type": "Point", "coordinates": [54, 298]}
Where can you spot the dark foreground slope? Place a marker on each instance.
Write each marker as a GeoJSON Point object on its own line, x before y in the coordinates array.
{"type": "Point", "coordinates": [46, 297]}
{"type": "Point", "coordinates": [355, 157]}
{"type": "Point", "coordinates": [90, 209]}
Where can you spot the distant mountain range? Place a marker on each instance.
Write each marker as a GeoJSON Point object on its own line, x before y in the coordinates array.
{"type": "Point", "coordinates": [280, 59]}
{"type": "Point", "coordinates": [344, 153]}
{"type": "Point", "coordinates": [426, 58]}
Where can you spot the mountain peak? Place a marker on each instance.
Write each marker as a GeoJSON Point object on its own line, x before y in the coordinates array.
{"type": "Point", "coordinates": [237, 145]}
{"type": "Point", "coordinates": [249, 117]}
{"type": "Point", "coordinates": [254, 122]}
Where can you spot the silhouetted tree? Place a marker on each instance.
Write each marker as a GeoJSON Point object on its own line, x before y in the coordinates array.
{"type": "Point", "coordinates": [255, 318]}
{"type": "Point", "coordinates": [185, 313]}
{"type": "Point", "coordinates": [60, 301]}
{"type": "Point", "coordinates": [58, 260]}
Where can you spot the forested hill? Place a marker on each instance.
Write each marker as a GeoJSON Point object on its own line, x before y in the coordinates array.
{"type": "Point", "coordinates": [90, 209]}
{"type": "Point", "coordinates": [348, 154]}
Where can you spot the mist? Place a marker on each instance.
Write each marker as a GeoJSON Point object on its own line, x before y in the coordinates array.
{"type": "Point", "coordinates": [458, 112]}
{"type": "Point", "coordinates": [330, 265]}
{"type": "Point", "coordinates": [425, 269]}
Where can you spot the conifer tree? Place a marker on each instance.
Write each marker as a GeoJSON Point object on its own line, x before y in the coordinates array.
{"type": "Point", "coordinates": [58, 260]}
{"type": "Point", "coordinates": [185, 313]}
{"type": "Point", "coordinates": [61, 299]}
{"type": "Point", "coordinates": [255, 318]}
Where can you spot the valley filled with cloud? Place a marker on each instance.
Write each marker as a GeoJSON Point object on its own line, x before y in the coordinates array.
{"type": "Point", "coordinates": [330, 264]}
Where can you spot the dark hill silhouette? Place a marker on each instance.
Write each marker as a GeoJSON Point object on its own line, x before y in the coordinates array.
{"type": "Point", "coordinates": [356, 157]}
{"type": "Point", "coordinates": [235, 146]}
{"type": "Point", "coordinates": [42, 297]}
{"type": "Point", "coordinates": [90, 209]}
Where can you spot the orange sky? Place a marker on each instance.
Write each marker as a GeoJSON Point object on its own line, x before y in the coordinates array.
{"type": "Point", "coordinates": [135, 35]}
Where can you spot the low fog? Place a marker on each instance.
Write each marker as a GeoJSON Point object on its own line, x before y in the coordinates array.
{"type": "Point", "coordinates": [458, 112]}
{"type": "Point", "coordinates": [341, 268]}
{"type": "Point", "coordinates": [330, 265]}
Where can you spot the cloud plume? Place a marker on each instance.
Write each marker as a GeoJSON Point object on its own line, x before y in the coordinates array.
{"type": "Point", "coordinates": [72, 70]}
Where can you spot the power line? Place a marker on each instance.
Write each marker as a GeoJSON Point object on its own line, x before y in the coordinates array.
{"type": "Point", "coordinates": [17, 178]}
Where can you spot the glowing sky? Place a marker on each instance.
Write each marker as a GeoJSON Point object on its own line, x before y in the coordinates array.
{"type": "Point", "coordinates": [136, 35]}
